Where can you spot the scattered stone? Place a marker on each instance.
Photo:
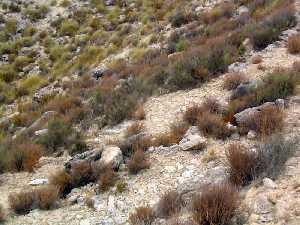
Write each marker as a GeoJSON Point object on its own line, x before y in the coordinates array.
{"type": "Point", "coordinates": [42, 132]}
{"type": "Point", "coordinates": [38, 182]}
{"type": "Point", "coordinates": [251, 134]}
{"type": "Point", "coordinates": [262, 205]}
{"type": "Point", "coordinates": [268, 183]}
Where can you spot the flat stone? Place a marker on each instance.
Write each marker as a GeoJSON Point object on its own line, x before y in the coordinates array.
{"type": "Point", "coordinates": [38, 182]}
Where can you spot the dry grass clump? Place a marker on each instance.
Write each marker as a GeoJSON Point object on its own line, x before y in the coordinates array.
{"type": "Point", "coordinates": [142, 216]}
{"type": "Point", "coordinates": [173, 137]}
{"type": "Point", "coordinates": [269, 121]}
{"type": "Point", "coordinates": [169, 204]}
{"type": "Point", "coordinates": [43, 198]}
{"type": "Point", "coordinates": [233, 80]}
{"type": "Point", "coordinates": [2, 214]}
{"type": "Point", "coordinates": [216, 204]}
{"type": "Point", "coordinates": [135, 128]}
{"type": "Point", "coordinates": [138, 162]}
{"type": "Point", "coordinates": [213, 125]}
{"type": "Point", "coordinates": [107, 178]}
{"type": "Point", "coordinates": [47, 197]}
{"type": "Point", "coordinates": [19, 155]}
{"type": "Point", "coordinates": [242, 164]}
{"type": "Point", "coordinates": [62, 181]}
{"type": "Point", "coordinates": [82, 174]}
{"type": "Point", "coordinates": [139, 113]}
{"type": "Point", "coordinates": [294, 44]}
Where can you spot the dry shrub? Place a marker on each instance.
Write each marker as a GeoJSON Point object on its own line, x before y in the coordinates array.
{"type": "Point", "coordinates": [257, 59]}
{"type": "Point", "coordinates": [82, 174]}
{"type": "Point", "coordinates": [223, 10]}
{"type": "Point", "coordinates": [270, 120]}
{"type": "Point", "coordinates": [294, 44]}
{"type": "Point", "coordinates": [242, 164]}
{"type": "Point", "coordinates": [213, 125]}
{"type": "Point", "coordinates": [216, 204]}
{"type": "Point", "coordinates": [47, 197]}
{"type": "Point", "coordinates": [138, 162]}
{"type": "Point", "coordinates": [2, 214]}
{"type": "Point", "coordinates": [142, 216]}
{"type": "Point", "coordinates": [107, 178]}
{"type": "Point", "coordinates": [191, 114]}
{"type": "Point", "coordinates": [25, 156]}
{"type": "Point", "coordinates": [169, 204]}
{"type": "Point", "coordinates": [139, 113]}
{"type": "Point", "coordinates": [233, 80]}
{"type": "Point", "coordinates": [62, 181]}
{"type": "Point", "coordinates": [209, 105]}
{"type": "Point", "coordinates": [22, 203]}
{"type": "Point", "coordinates": [173, 137]}
{"type": "Point", "coordinates": [135, 128]}
{"type": "Point", "coordinates": [61, 104]}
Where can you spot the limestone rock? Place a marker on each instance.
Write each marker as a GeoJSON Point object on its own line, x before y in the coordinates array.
{"type": "Point", "coordinates": [38, 182]}
{"type": "Point", "coordinates": [112, 155]}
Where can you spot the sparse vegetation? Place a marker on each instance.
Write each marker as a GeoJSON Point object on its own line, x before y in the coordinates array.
{"type": "Point", "coordinates": [138, 162]}
{"type": "Point", "coordinates": [294, 44]}
{"type": "Point", "coordinates": [2, 214]}
{"type": "Point", "coordinates": [169, 204]}
{"type": "Point", "coordinates": [217, 204]}
{"type": "Point", "coordinates": [142, 216]}
{"type": "Point", "coordinates": [233, 80]}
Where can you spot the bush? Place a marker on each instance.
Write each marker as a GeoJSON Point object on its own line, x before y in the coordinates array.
{"type": "Point", "coordinates": [43, 198]}
{"type": "Point", "coordinates": [273, 154]}
{"type": "Point", "coordinates": [19, 156]}
{"type": "Point", "coordinates": [135, 128]}
{"type": "Point", "coordinates": [69, 28]}
{"type": "Point", "coordinates": [242, 164]}
{"type": "Point", "coordinates": [82, 174]}
{"type": "Point", "coordinates": [216, 204]}
{"type": "Point", "coordinates": [169, 204]}
{"type": "Point", "coordinates": [107, 178]}
{"type": "Point", "coordinates": [2, 214]}
{"type": "Point", "coordinates": [138, 162]}
{"type": "Point", "coordinates": [47, 197]}
{"type": "Point", "coordinates": [139, 113]}
{"type": "Point", "coordinates": [62, 181]}
{"type": "Point", "coordinates": [179, 19]}
{"type": "Point", "coordinates": [294, 44]}
{"type": "Point", "coordinates": [7, 73]}
{"type": "Point", "coordinates": [22, 203]}
{"type": "Point", "coordinates": [173, 137]}
{"type": "Point", "coordinates": [37, 13]}
{"type": "Point", "coordinates": [233, 80]}
{"type": "Point", "coordinates": [269, 121]}
{"type": "Point", "coordinates": [213, 125]}
{"type": "Point", "coordinates": [142, 216]}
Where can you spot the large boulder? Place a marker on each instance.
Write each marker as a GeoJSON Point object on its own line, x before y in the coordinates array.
{"type": "Point", "coordinates": [112, 155]}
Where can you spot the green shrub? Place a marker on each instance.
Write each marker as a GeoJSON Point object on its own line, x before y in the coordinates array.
{"type": "Point", "coordinates": [21, 62]}
{"type": "Point", "coordinates": [68, 28]}
{"type": "Point", "coordinates": [36, 13]}
{"type": "Point", "coordinates": [7, 73]}
{"type": "Point", "coordinates": [32, 83]}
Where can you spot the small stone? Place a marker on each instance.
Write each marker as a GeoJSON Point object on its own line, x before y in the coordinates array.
{"type": "Point", "coordinates": [262, 205]}
{"type": "Point", "coordinates": [251, 134]}
{"type": "Point", "coordinates": [268, 183]}
{"type": "Point", "coordinates": [280, 104]}
{"type": "Point", "coordinates": [235, 136]}
{"type": "Point", "coordinates": [37, 182]}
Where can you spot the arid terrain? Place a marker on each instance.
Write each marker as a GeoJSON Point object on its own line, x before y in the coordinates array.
{"type": "Point", "coordinates": [150, 112]}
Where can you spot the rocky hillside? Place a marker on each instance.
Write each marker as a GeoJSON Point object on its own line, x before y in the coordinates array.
{"type": "Point", "coordinates": [148, 112]}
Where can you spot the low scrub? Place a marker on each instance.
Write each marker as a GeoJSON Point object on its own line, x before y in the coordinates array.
{"type": "Point", "coordinates": [173, 137]}
{"type": "Point", "coordinates": [267, 161]}
{"type": "Point", "coordinates": [169, 204]}
{"type": "Point", "coordinates": [294, 44]}
{"type": "Point", "coordinates": [135, 128]}
{"type": "Point", "coordinates": [213, 125]}
{"type": "Point", "coordinates": [138, 162]}
{"type": "Point", "coordinates": [233, 80]}
{"type": "Point", "coordinates": [107, 178]}
{"type": "Point", "coordinates": [142, 216]}
{"type": "Point", "coordinates": [2, 214]}
{"type": "Point", "coordinates": [242, 164]}
{"type": "Point", "coordinates": [217, 204]}
{"type": "Point", "coordinates": [63, 182]}
{"type": "Point", "coordinates": [43, 198]}
{"type": "Point", "coordinates": [19, 156]}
